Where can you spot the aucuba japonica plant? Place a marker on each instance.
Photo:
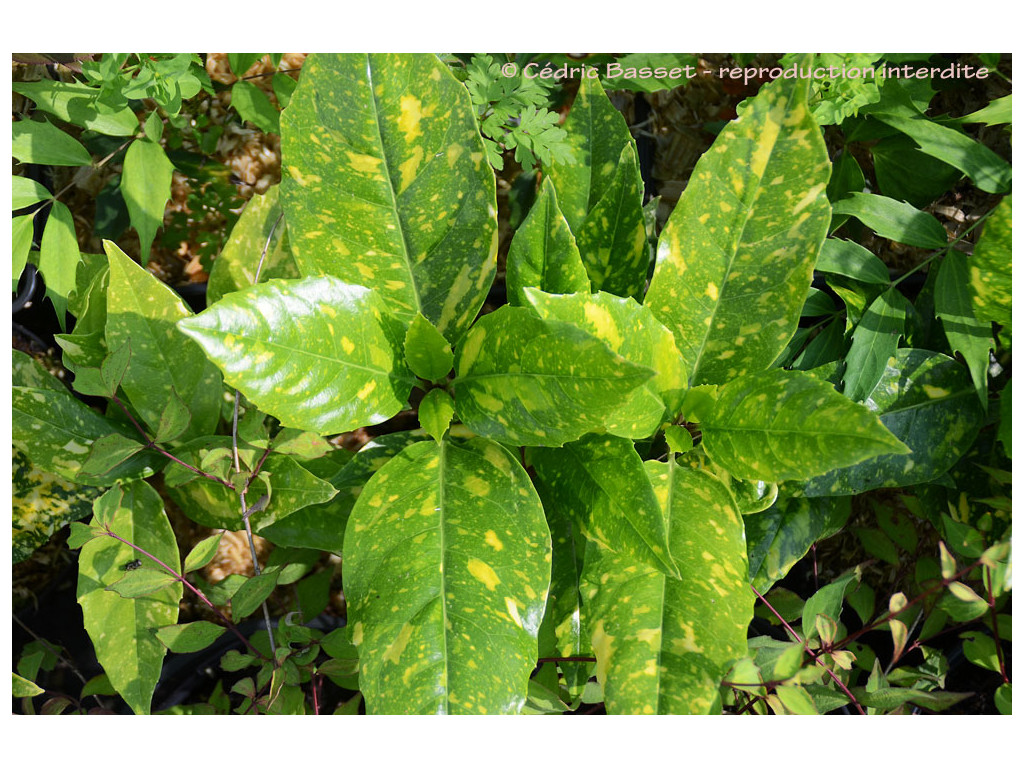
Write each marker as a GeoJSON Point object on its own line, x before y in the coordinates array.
{"type": "Point", "coordinates": [612, 468]}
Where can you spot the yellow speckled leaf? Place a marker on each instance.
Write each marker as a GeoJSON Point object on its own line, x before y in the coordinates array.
{"type": "Point", "coordinates": [601, 193]}
{"type": "Point", "coordinates": [663, 645]}
{"type": "Point", "coordinates": [736, 256]}
{"type": "Point", "coordinates": [447, 563]}
{"type": "Point", "coordinates": [43, 503]}
{"type": "Point", "coordinates": [318, 354]}
{"type": "Point", "coordinates": [787, 425]}
{"type": "Point", "coordinates": [526, 380]}
{"type": "Point", "coordinates": [386, 184]}
{"type": "Point", "coordinates": [991, 267]}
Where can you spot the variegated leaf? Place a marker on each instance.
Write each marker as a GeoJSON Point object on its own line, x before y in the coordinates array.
{"type": "Point", "coordinates": [447, 566]}
{"type": "Point", "coordinates": [736, 256]}
{"type": "Point", "coordinates": [386, 184]}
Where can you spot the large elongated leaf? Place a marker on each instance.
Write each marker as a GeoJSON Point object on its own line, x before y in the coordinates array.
{"type": "Point", "coordinates": [893, 219]}
{"type": "Point", "coordinates": [529, 381]}
{"type": "Point", "coordinates": [45, 144]}
{"type": "Point", "coordinates": [121, 629]}
{"type": "Point", "coordinates": [386, 184]}
{"type": "Point", "coordinates": [927, 401]}
{"type": "Point", "coordinates": [146, 188]}
{"type": "Point", "coordinates": [991, 267]}
{"type": "Point", "coordinates": [966, 334]}
{"type": "Point", "coordinates": [59, 257]}
{"type": "Point", "coordinates": [671, 658]}
{"type": "Point", "coordinates": [601, 193]}
{"type": "Point", "coordinates": [984, 167]}
{"type": "Point", "coordinates": [874, 340]}
{"type": "Point", "coordinates": [630, 330]}
{"type": "Point", "coordinates": [235, 266]}
{"type": "Point", "coordinates": [56, 430]}
{"type": "Point", "coordinates": [736, 256]}
{"type": "Point", "coordinates": [142, 312]}
{"type": "Point", "coordinates": [318, 354]}
{"type": "Point", "coordinates": [447, 566]}
{"type": "Point", "coordinates": [543, 253]}
{"type": "Point", "coordinates": [600, 481]}
{"type": "Point", "coordinates": [785, 425]}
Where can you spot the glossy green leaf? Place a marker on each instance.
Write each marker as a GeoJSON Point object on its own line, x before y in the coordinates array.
{"type": "Point", "coordinates": [303, 445]}
{"type": "Point", "coordinates": [530, 381]}
{"type": "Point", "coordinates": [671, 659]}
{"type": "Point", "coordinates": [254, 105]}
{"type": "Point", "coordinates": [736, 256]}
{"type": "Point", "coordinates": [904, 172]}
{"type": "Point", "coordinates": [251, 594]}
{"type": "Point", "coordinates": [874, 341]}
{"type": "Point", "coordinates": [140, 582]}
{"type": "Point", "coordinates": [435, 412]}
{"type": "Point", "coordinates": [929, 403]}
{"type": "Point", "coordinates": [26, 192]}
{"type": "Point", "coordinates": [454, 537]}
{"type": "Point", "coordinates": [107, 453]}
{"type": "Point", "coordinates": [142, 312]}
{"type": "Point", "coordinates": [292, 488]}
{"type": "Point", "coordinates": [600, 482]}
{"type": "Point", "coordinates": [189, 638]}
{"type": "Point", "coordinates": [42, 504]}
{"type": "Point", "coordinates": [1004, 699]}
{"type": "Point", "coordinates": [426, 351]}
{"type": "Point", "coordinates": [827, 601]}
{"type": "Point", "coordinates": [43, 143]}
{"type": "Point", "coordinates": [891, 698]}
{"type": "Point", "coordinates": [202, 553]}
{"type": "Point", "coordinates": [317, 354]}
{"type": "Point", "coordinates": [56, 430]}
{"type": "Point", "coordinates": [984, 167]}
{"type": "Point", "coordinates": [59, 256]}
{"type": "Point", "coordinates": [235, 266]}
{"type": "Point", "coordinates": [997, 112]}
{"type": "Point", "coordinates": [543, 253]}
{"type": "Point", "coordinates": [22, 688]}
{"type": "Point", "coordinates": [121, 629]}
{"type": "Point", "coordinates": [78, 103]}
{"type": "Point", "coordinates": [890, 218]}
{"type": "Point", "coordinates": [844, 257]}
{"type": "Point", "coordinates": [174, 421]}
{"type": "Point", "coordinates": [630, 330]}
{"type": "Point", "coordinates": [146, 188]}
{"type": "Point", "coordinates": [785, 425]}
{"type": "Point", "coordinates": [991, 267]}
{"type": "Point", "coordinates": [386, 184]}
{"type": "Point", "coordinates": [846, 177]}
{"type": "Point", "coordinates": [965, 333]}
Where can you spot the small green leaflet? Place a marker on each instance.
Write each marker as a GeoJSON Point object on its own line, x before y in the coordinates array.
{"type": "Point", "coordinates": [146, 188]}
{"type": "Point", "coordinates": [736, 256]}
{"type": "Point", "coordinates": [59, 257]}
{"type": "Point", "coordinates": [435, 412]}
{"type": "Point", "coordinates": [427, 352]}
{"type": "Point", "coordinates": [318, 354]}
{"type": "Point", "coordinates": [785, 425]}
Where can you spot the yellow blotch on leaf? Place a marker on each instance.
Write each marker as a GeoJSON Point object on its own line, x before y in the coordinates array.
{"type": "Point", "coordinates": [492, 540]}
{"type": "Point", "coordinates": [409, 121]}
{"type": "Point", "coordinates": [394, 650]}
{"type": "Point", "coordinates": [483, 573]}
